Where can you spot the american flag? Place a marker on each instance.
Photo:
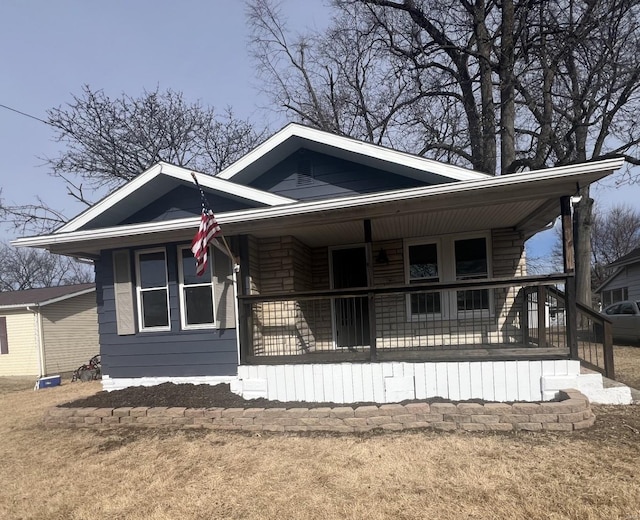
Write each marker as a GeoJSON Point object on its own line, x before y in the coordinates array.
{"type": "Point", "coordinates": [208, 229]}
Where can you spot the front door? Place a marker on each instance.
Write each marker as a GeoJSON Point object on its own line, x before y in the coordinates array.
{"type": "Point", "coordinates": [350, 315]}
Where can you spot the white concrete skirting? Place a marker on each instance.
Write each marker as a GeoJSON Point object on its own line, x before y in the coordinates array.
{"type": "Point", "coordinates": [392, 382]}
{"type": "Point", "coordinates": [109, 384]}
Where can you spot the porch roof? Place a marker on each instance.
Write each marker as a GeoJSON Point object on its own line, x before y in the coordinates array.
{"type": "Point", "coordinates": [526, 202]}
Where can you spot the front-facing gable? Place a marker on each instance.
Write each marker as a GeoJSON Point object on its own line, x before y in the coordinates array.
{"type": "Point", "coordinates": [167, 192]}
{"type": "Point", "coordinates": [294, 137]}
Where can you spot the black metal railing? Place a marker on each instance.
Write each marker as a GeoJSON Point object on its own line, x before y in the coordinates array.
{"type": "Point", "coordinates": [593, 344]}
{"type": "Point", "coordinates": [487, 318]}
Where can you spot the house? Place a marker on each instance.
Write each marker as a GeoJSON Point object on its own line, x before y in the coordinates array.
{"type": "Point", "coordinates": [47, 331]}
{"type": "Point", "coordinates": [357, 273]}
{"type": "Point", "coordinates": [624, 281]}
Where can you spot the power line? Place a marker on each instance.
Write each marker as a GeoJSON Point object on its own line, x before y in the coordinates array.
{"type": "Point", "coordinates": [25, 114]}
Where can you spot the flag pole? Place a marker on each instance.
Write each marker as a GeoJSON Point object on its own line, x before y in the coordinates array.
{"type": "Point", "coordinates": [236, 266]}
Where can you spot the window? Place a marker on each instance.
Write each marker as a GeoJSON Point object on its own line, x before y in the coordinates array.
{"type": "Point", "coordinates": [447, 259]}
{"type": "Point", "coordinates": [152, 290]}
{"type": "Point", "coordinates": [471, 263]}
{"type": "Point", "coordinates": [4, 345]}
{"type": "Point", "coordinates": [196, 292]}
{"type": "Point", "coordinates": [614, 295]}
{"type": "Point", "coordinates": [423, 267]}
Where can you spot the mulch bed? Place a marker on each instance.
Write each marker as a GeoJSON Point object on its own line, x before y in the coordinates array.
{"type": "Point", "coordinates": [188, 395]}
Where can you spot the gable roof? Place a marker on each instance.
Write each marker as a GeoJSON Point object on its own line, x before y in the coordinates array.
{"type": "Point", "coordinates": [295, 136]}
{"type": "Point", "coordinates": [629, 258]}
{"type": "Point", "coordinates": [43, 296]}
{"type": "Point", "coordinates": [157, 181]}
{"type": "Point", "coordinates": [618, 265]}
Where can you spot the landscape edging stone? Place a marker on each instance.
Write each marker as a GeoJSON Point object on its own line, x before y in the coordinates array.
{"type": "Point", "coordinates": [571, 412]}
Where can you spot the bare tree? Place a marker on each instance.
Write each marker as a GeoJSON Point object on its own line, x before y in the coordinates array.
{"type": "Point", "coordinates": [614, 234]}
{"type": "Point", "coordinates": [108, 141]}
{"type": "Point", "coordinates": [498, 86]}
{"type": "Point", "coordinates": [29, 269]}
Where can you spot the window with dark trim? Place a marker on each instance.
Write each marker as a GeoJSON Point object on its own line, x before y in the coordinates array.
{"type": "Point", "coordinates": [614, 295]}
{"type": "Point", "coordinates": [4, 345]}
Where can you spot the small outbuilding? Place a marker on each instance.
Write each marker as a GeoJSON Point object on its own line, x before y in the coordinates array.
{"type": "Point", "coordinates": [46, 331]}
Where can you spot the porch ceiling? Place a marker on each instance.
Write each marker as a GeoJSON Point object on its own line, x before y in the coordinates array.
{"type": "Point", "coordinates": [407, 220]}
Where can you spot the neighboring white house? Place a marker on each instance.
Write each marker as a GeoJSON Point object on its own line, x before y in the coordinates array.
{"type": "Point", "coordinates": [47, 331]}
{"type": "Point", "coordinates": [624, 282]}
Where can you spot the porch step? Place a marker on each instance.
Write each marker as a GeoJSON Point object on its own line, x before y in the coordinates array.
{"type": "Point", "coordinates": [591, 385]}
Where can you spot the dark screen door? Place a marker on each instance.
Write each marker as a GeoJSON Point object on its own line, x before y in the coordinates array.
{"type": "Point", "coordinates": [351, 315]}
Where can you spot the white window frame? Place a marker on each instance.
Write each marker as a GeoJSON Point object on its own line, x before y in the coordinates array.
{"type": "Point", "coordinates": [140, 290]}
{"type": "Point", "coordinates": [407, 276]}
{"type": "Point", "coordinates": [454, 297]}
{"type": "Point", "coordinates": [181, 286]}
{"type": "Point", "coordinates": [447, 273]}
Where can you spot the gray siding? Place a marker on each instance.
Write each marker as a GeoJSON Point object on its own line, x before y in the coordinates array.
{"type": "Point", "coordinates": [327, 177]}
{"type": "Point", "coordinates": [629, 277]}
{"type": "Point", "coordinates": [205, 352]}
{"type": "Point", "coordinates": [183, 202]}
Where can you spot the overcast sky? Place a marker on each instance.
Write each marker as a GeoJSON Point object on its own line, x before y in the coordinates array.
{"type": "Point", "coordinates": [49, 49]}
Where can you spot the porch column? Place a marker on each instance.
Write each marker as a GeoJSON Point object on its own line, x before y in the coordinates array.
{"type": "Point", "coordinates": [245, 324]}
{"type": "Point", "coordinates": [570, 271]}
{"type": "Point", "coordinates": [368, 238]}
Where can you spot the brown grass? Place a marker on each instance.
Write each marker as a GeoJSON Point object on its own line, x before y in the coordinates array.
{"type": "Point", "coordinates": [626, 361]}
{"type": "Point", "coordinates": [154, 474]}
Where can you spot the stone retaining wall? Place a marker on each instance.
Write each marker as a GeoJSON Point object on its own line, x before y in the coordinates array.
{"type": "Point", "coordinates": [571, 412]}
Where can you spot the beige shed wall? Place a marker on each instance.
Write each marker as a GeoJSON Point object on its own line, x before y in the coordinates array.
{"type": "Point", "coordinates": [22, 359]}
{"type": "Point", "coordinates": [70, 330]}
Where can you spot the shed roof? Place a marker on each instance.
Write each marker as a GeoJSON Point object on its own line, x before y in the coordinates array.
{"type": "Point", "coordinates": [44, 295]}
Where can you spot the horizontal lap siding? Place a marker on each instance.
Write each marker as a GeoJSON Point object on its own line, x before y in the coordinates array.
{"type": "Point", "coordinates": [22, 359]}
{"type": "Point", "coordinates": [331, 177]}
{"type": "Point", "coordinates": [70, 329]}
{"type": "Point", "coordinates": [174, 353]}
{"type": "Point", "coordinates": [628, 277]}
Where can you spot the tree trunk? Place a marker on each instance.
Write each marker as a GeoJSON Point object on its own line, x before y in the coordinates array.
{"type": "Point", "coordinates": [582, 244]}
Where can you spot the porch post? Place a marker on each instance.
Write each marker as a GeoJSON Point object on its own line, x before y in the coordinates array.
{"type": "Point", "coordinates": [371, 299]}
{"type": "Point", "coordinates": [542, 316]}
{"type": "Point", "coordinates": [570, 270]}
{"type": "Point", "coordinates": [245, 327]}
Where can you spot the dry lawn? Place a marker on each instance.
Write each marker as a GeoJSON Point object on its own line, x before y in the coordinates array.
{"type": "Point", "coordinates": [626, 361]}
{"type": "Point", "coordinates": [154, 474]}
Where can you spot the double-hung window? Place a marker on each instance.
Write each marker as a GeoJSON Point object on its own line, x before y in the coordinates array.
{"type": "Point", "coordinates": [471, 264]}
{"type": "Point", "coordinates": [152, 290]}
{"type": "Point", "coordinates": [423, 267]}
{"type": "Point", "coordinates": [196, 292]}
{"type": "Point", "coordinates": [448, 258]}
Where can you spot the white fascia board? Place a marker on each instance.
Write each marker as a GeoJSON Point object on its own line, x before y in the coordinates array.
{"type": "Point", "coordinates": [48, 302]}
{"type": "Point", "coordinates": [111, 199]}
{"type": "Point", "coordinates": [598, 169]}
{"type": "Point", "coordinates": [351, 145]}
{"type": "Point", "coordinates": [181, 174]}
{"type": "Point", "coordinates": [610, 279]}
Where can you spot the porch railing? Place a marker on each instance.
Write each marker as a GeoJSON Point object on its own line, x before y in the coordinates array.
{"type": "Point", "coordinates": [469, 319]}
{"type": "Point", "coordinates": [593, 344]}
